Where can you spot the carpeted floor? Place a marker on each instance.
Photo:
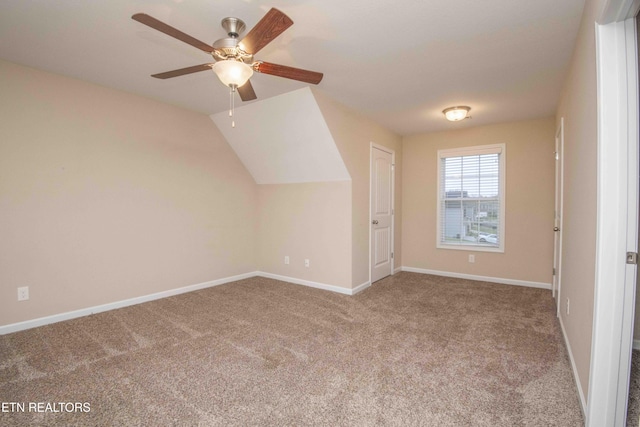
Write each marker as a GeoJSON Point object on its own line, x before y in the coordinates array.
{"type": "Point", "coordinates": [633, 405]}
{"type": "Point", "coordinates": [412, 350]}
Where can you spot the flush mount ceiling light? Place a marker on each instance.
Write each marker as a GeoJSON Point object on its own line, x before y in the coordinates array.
{"type": "Point", "coordinates": [455, 114]}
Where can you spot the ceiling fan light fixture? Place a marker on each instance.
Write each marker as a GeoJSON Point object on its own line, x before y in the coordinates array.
{"type": "Point", "coordinates": [455, 114]}
{"type": "Point", "coordinates": [232, 73]}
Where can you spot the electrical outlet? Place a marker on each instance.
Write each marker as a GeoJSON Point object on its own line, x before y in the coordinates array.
{"type": "Point", "coordinates": [23, 293]}
{"type": "Point", "coordinates": [472, 258]}
{"type": "Point", "coordinates": [286, 259]}
{"type": "Point", "coordinates": [567, 306]}
{"type": "Point", "coordinates": [306, 263]}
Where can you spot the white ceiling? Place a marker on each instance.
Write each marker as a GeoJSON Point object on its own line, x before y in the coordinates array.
{"type": "Point", "coordinates": [400, 63]}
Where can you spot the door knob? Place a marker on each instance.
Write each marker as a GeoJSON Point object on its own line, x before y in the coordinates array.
{"type": "Point", "coordinates": [556, 229]}
{"type": "Point", "coordinates": [374, 222]}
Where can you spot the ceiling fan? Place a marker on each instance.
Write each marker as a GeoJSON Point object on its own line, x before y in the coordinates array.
{"type": "Point", "coordinates": [233, 58]}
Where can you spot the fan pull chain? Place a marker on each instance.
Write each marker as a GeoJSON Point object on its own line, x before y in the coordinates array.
{"type": "Point", "coordinates": [232, 105]}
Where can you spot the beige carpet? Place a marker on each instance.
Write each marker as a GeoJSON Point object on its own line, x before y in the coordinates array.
{"type": "Point", "coordinates": [633, 405]}
{"type": "Point", "coordinates": [413, 350]}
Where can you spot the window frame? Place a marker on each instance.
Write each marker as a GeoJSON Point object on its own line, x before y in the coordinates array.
{"type": "Point", "coordinates": [499, 149]}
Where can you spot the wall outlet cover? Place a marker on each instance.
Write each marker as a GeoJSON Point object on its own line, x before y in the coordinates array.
{"type": "Point", "coordinates": [23, 293]}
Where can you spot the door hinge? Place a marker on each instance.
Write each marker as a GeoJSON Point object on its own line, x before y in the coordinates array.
{"type": "Point", "coordinates": [391, 254]}
{"type": "Point", "coordinates": [632, 257]}
{"type": "Point", "coordinates": [554, 271]}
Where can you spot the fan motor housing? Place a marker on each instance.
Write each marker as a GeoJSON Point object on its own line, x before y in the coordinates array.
{"type": "Point", "coordinates": [233, 26]}
{"type": "Point", "coordinates": [227, 48]}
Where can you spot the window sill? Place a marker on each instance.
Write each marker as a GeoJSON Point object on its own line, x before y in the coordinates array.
{"type": "Point", "coordinates": [471, 248]}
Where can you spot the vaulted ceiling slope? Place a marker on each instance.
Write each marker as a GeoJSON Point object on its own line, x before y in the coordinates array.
{"type": "Point", "coordinates": [400, 63]}
{"type": "Point", "coordinates": [284, 140]}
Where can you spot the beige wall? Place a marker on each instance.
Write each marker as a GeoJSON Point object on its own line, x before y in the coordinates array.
{"type": "Point", "coordinates": [306, 221]}
{"type": "Point", "coordinates": [528, 254]}
{"type": "Point", "coordinates": [327, 222]}
{"type": "Point", "coordinates": [578, 106]}
{"type": "Point", "coordinates": [353, 135]}
{"type": "Point", "coordinates": [106, 196]}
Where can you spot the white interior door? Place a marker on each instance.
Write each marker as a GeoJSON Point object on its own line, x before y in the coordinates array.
{"type": "Point", "coordinates": [381, 213]}
{"type": "Point", "coordinates": [557, 225]}
{"type": "Point", "coordinates": [617, 216]}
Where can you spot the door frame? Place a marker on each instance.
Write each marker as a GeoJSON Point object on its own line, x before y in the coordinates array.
{"type": "Point", "coordinates": [393, 204]}
{"type": "Point", "coordinates": [617, 213]}
{"type": "Point", "coordinates": [558, 212]}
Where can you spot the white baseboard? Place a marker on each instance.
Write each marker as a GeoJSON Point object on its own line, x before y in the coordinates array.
{"type": "Point", "coordinates": [480, 278]}
{"type": "Point", "coordinates": [316, 285]}
{"type": "Point", "coordinates": [583, 402]}
{"type": "Point", "coordinates": [636, 344]}
{"type": "Point", "coordinates": [360, 288]}
{"type": "Point", "coordinates": [397, 270]}
{"type": "Point", "coordinates": [28, 324]}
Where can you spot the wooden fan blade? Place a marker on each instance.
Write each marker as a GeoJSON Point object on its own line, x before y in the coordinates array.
{"type": "Point", "coordinates": [182, 71]}
{"type": "Point", "coordinates": [268, 28]}
{"type": "Point", "coordinates": [246, 92]}
{"type": "Point", "coordinates": [306, 76]}
{"type": "Point", "coordinates": [170, 31]}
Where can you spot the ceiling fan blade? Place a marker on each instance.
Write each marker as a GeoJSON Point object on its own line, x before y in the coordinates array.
{"type": "Point", "coordinates": [170, 31]}
{"type": "Point", "coordinates": [182, 71]}
{"type": "Point", "coordinates": [306, 76]}
{"type": "Point", "coordinates": [268, 28]}
{"type": "Point", "coordinates": [246, 92]}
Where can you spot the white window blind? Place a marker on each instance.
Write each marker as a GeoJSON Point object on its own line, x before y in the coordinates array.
{"type": "Point", "coordinates": [471, 198]}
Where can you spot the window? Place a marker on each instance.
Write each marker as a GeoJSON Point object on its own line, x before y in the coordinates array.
{"type": "Point", "coordinates": [471, 198]}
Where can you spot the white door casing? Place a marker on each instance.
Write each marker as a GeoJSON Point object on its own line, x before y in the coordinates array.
{"type": "Point", "coordinates": [382, 212]}
{"type": "Point", "coordinates": [557, 224]}
{"type": "Point", "coordinates": [614, 299]}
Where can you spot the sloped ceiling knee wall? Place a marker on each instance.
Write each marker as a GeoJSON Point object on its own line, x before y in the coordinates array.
{"type": "Point", "coordinates": [284, 140]}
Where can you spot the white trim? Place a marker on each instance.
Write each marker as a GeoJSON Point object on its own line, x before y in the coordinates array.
{"type": "Point", "coordinates": [500, 280]}
{"type": "Point", "coordinates": [471, 151]}
{"type": "Point", "coordinates": [611, 338]}
{"type": "Point", "coordinates": [469, 248]}
{"type": "Point", "coordinates": [558, 216]}
{"type": "Point", "coordinates": [360, 288]}
{"type": "Point", "coordinates": [583, 402]}
{"type": "Point", "coordinates": [28, 324]}
{"type": "Point", "coordinates": [311, 284]}
{"type": "Point", "coordinates": [397, 270]}
{"type": "Point", "coordinates": [618, 10]}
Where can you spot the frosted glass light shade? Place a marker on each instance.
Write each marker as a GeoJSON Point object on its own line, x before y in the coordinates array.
{"type": "Point", "coordinates": [454, 114]}
{"type": "Point", "coordinates": [232, 73]}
